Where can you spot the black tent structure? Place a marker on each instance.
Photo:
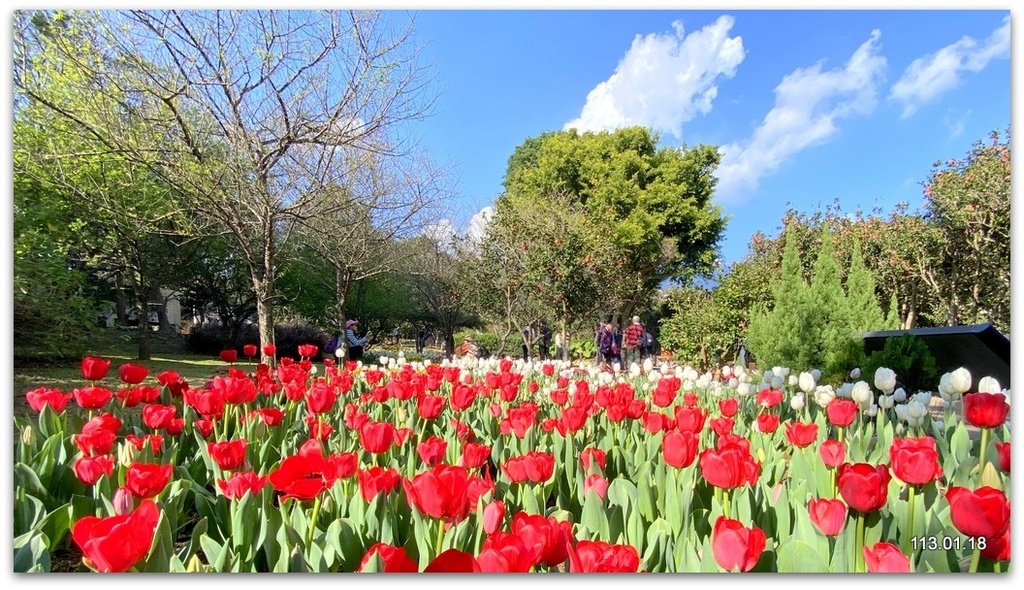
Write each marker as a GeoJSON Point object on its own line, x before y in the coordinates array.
{"type": "Point", "coordinates": [981, 349]}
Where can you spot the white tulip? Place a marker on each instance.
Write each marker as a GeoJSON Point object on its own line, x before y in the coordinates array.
{"type": "Point", "coordinates": [862, 394]}
{"type": "Point", "coordinates": [687, 385]}
{"type": "Point", "coordinates": [780, 371]}
{"type": "Point", "coordinates": [616, 367]}
{"type": "Point", "coordinates": [1006, 394]}
{"type": "Point", "coordinates": [726, 371]}
{"type": "Point", "coordinates": [648, 365]}
{"type": "Point", "coordinates": [901, 412]}
{"type": "Point", "coordinates": [312, 370]}
{"type": "Point", "coordinates": [885, 379]}
{"type": "Point", "coordinates": [823, 395]}
{"type": "Point", "coordinates": [797, 402]}
{"type": "Point", "coordinates": [844, 390]}
{"type": "Point", "coordinates": [654, 376]}
{"type": "Point", "coordinates": [960, 381]}
{"type": "Point", "coordinates": [733, 382]}
{"type": "Point", "coordinates": [793, 380]}
{"type": "Point", "coordinates": [899, 396]}
{"type": "Point", "coordinates": [915, 412]}
{"type": "Point", "coordinates": [924, 397]}
{"type": "Point", "coordinates": [855, 374]}
{"type": "Point", "coordinates": [634, 370]}
{"type": "Point", "coordinates": [873, 410]}
{"type": "Point", "coordinates": [816, 374]}
{"type": "Point", "coordinates": [989, 385]}
{"type": "Point", "coordinates": [807, 382]}
{"type": "Point", "coordinates": [886, 401]}
{"type": "Point", "coordinates": [744, 389]}
{"type": "Point", "coordinates": [777, 383]}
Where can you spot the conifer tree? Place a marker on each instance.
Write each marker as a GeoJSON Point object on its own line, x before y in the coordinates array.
{"type": "Point", "coordinates": [829, 314]}
{"type": "Point", "coordinates": [892, 319]}
{"type": "Point", "coordinates": [862, 303]}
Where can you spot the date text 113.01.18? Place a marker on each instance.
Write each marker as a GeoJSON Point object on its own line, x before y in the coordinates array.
{"type": "Point", "coordinates": [946, 543]}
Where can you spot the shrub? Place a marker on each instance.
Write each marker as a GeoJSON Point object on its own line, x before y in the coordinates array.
{"type": "Point", "coordinates": [910, 358]}
{"type": "Point", "coordinates": [207, 338]}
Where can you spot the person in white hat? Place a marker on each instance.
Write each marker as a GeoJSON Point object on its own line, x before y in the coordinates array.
{"type": "Point", "coordinates": [355, 344]}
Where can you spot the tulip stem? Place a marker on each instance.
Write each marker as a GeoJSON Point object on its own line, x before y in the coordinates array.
{"type": "Point", "coordinates": [859, 545]}
{"type": "Point", "coordinates": [981, 454]}
{"type": "Point", "coordinates": [725, 503]}
{"type": "Point", "coordinates": [312, 520]}
{"type": "Point", "coordinates": [908, 547]}
{"type": "Point", "coordinates": [440, 538]}
{"type": "Point", "coordinates": [975, 560]}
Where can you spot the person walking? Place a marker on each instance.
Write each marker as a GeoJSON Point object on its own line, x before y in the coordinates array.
{"type": "Point", "coordinates": [605, 344]}
{"type": "Point", "coordinates": [421, 339]}
{"type": "Point", "coordinates": [631, 341]}
{"type": "Point", "coordinates": [355, 344]}
{"type": "Point", "coordinates": [545, 340]}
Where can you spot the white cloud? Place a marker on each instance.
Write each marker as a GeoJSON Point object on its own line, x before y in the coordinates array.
{"type": "Point", "coordinates": [478, 224]}
{"type": "Point", "coordinates": [664, 80]}
{"type": "Point", "coordinates": [934, 74]}
{"type": "Point", "coordinates": [956, 125]}
{"type": "Point", "coordinates": [442, 231]}
{"type": "Point", "coordinates": [808, 103]}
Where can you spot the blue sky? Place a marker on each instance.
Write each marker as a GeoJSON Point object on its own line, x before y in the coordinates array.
{"type": "Point", "coordinates": [807, 106]}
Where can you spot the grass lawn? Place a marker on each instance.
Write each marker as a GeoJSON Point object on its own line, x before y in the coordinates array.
{"type": "Point", "coordinates": [117, 346]}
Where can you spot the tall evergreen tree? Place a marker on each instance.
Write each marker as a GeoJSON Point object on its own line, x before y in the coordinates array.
{"type": "Point", "coordinates": [829, 315]}
{"type": "Point", "coordinates": [862, 303]}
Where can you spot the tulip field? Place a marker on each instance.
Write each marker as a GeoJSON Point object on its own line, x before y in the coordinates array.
{"type": "Point", "coordinates": [509, 466]}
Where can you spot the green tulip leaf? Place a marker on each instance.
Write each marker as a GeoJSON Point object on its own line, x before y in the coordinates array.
{"type": "Point", "coordinates": [795, 556]}
{"type": "Point", "coordinates": [30, 553]}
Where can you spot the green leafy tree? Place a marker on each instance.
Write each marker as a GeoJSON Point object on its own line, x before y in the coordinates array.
{"type": "Point", "coordinates": [652, 205]}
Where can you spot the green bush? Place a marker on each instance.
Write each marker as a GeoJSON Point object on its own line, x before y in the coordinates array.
{"type": "Point", "coordinates": [911, 360]}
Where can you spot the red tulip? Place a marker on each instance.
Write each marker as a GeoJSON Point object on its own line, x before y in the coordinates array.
{"type": "Point", "coordinates": [116, 543]}
{"type": "Point", "coordinates": [377, 480]}
{"type": "Point", "coordinates": [308, 350]}
{"type": "Point", "coordinates": [155, 442]}
{"type": "Point", "coordinates": [769, 398]}
{"type": "Point", "coordinates": [915, 460]}
{"type": "Point", "coordinates": [92, 398]}
{"type": "Point", "coordinates": [376, 437]}
{"type": "Point", "coordinates": [728, 406]}
{"type": "Point", "coordinates": [320, 398]}
{"type": "Point", "coordinates": [158, 416]}
{"type": "Point", "coordinates": [984, 512]}
{"type": "Point", "coordinates": [429, 406]}
{"type": "Point", "coordinates": [228, 455]}
{"type": "Point", "coordinates": [833, 453]}
{"type": "Point", "coordinates": [841, 411]}
{"type": "Point", "coordinates": [828, 516]}
{"type": "Point", "coordinates": [269, 349]}
{"type": "Point", "coordinates": [602, 557]}
{"type": "Point", "coordinates": [534, 466]}
{"type": "Point", "coordinates": [506, 553]}
{"type": "Point", "coordinates": [94, 368]}
{"type": "Point", "coordinates": [440, 493]}
{"type": "Point", "coordinates": [241, 482]}
{"type": "Point", "coordinates": [249, 350]}
{"type": "Point", "coordinates": [431, 451]}
{"type": "Point", "coordinates": [886, 558]}
{"type": "Point", "coordinates": [43, 396]}
{"type": "Point", "coordinates": [271, 416]}
{"type": "Point", "coordinates": [88, 470]}
{"type": "Point", "coordinates": [596, 482]}
{"type": "Point", "coordinates": [767, 423]}
{"type": "Point", "coordinates": [800, 434]}
{"type": "Point", "coordinates": [1003, 452]}
{"type": "Point", "coordinates": [229, 355]}
{"type": "Point", "coordinates": [95, 442]}
{"type": "Point", "coordinates": [722, 426]}
{"type": "Point", "coordinates": [730, 467]}
{"type": "Point", "coordinates": [549, 536]}
{"type": "Point", "coordinates": [865, 487]}
{"type": "Point", "coordinates": [303, 476]}
{"type": "Point", "coordinates": [394, 559]}
{"type": "Point", "coordinates": [997, 549]}
{"type": "Point", "coordinates": [475, 454]}
{"type": "Point", "coordinates": [452, 561]}
{"type": "Point", "coordinates": [591, 456]}
{"type": "Point", "coordinates": [494, 514]}
{"type": "Point", "coordinates": [735, 546]}
{"type": "Point", "coordinates": [679, 449]}
{"type": "Point", "coordinates": [132, 374]}
{"type": "Point", "coordinates": [205, 427]}
{"type": "Point", "coordinates": [985, 410]}
{"type": "Point", "coordinates": [690, 419]}
{"type": "Point", "coordinates": [145, 480]}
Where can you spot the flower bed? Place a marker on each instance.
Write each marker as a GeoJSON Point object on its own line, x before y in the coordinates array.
{"type": "Point", "coordinates": [502, 466]}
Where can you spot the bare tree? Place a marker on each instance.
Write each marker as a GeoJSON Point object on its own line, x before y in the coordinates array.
{"type": "Point", "coordinates": [246, 112]}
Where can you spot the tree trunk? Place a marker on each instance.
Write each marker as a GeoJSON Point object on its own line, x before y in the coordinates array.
{"type": "Point", "coordinates": [342, 280]}
{"type": "Point", "coordinates": [911, 320]}
{"type": "Point", "coordinates": [265, 319]}
{"type": "Point", "coordinates": [120, 305]}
